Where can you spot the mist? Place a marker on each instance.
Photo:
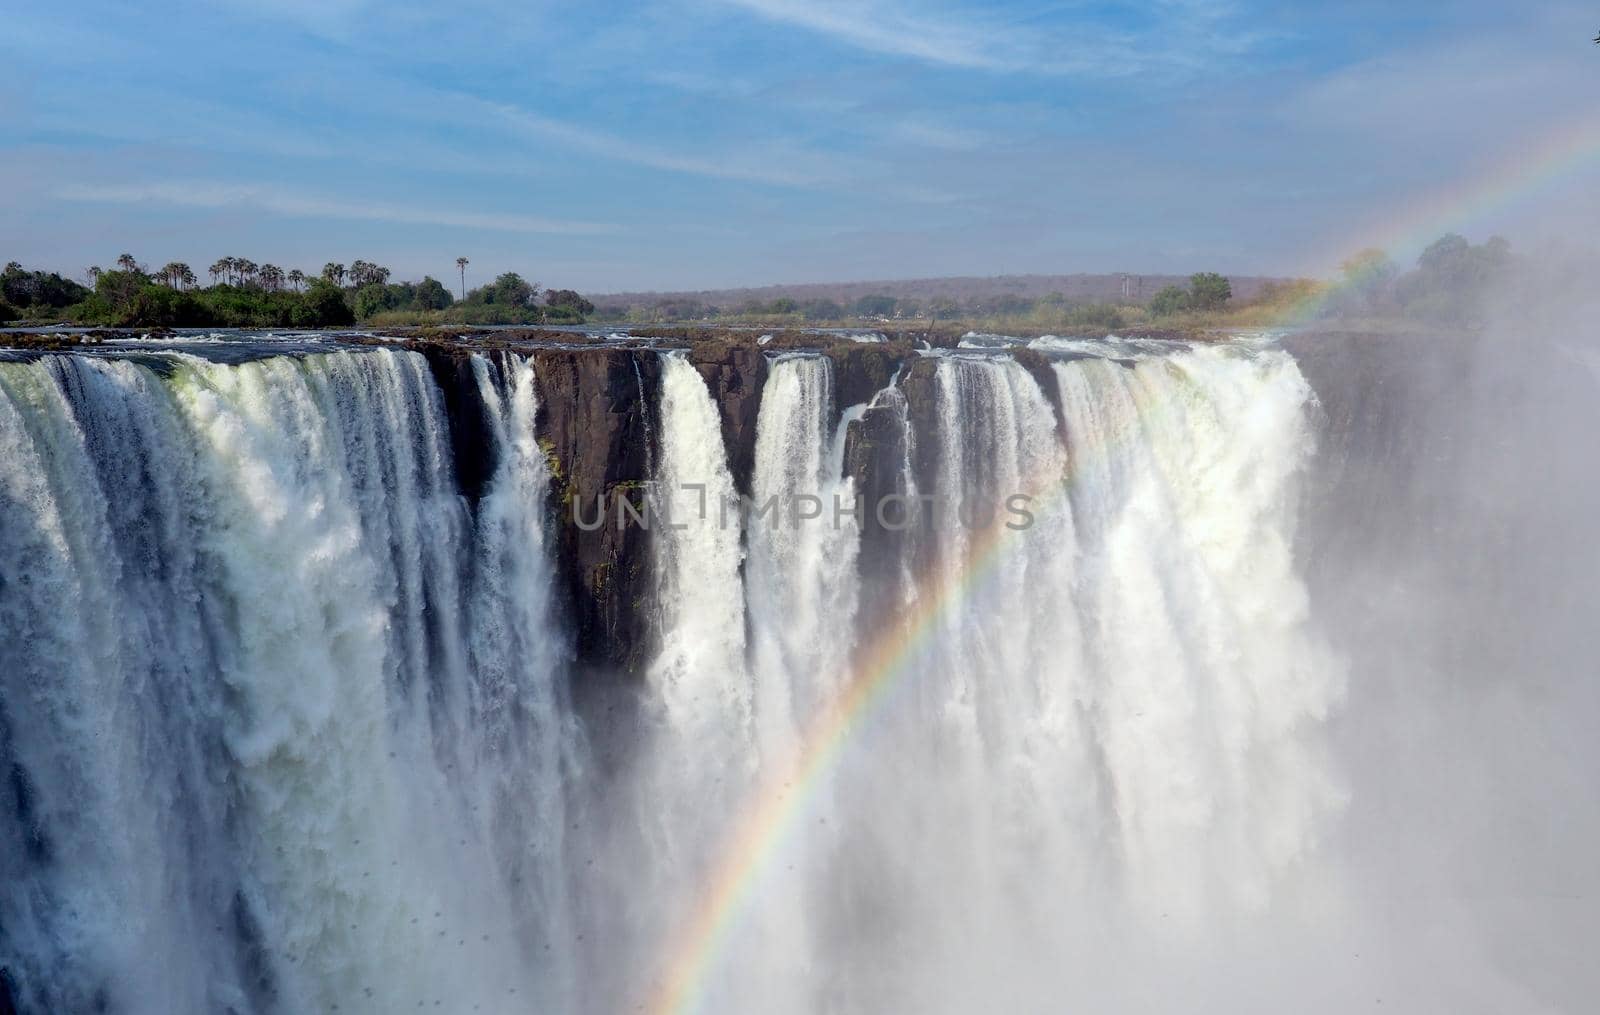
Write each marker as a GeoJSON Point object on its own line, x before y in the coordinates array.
{"type": "Point", "coordinates": [1451, 557]}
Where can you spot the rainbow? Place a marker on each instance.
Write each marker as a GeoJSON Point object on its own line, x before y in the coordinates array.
{"type": "Point", "coordinates": [782, 798]}
{"type": "Point", "coordinates": [1529, 170]}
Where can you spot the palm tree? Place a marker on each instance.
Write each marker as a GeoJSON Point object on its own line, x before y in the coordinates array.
{"type": "Point", "coordinates": [461, 266]}
{"type": "Point", "coordinates": [95, 271]}
{"type": "Point", "coordinates": [127, 263]}
{"type": "Point", "coordinates": [218, 267]}
{"type": "Point", "coordinates": [333, 272]}
{"type": "Point", "coordinates": [297, 278]}
{"type": "Point", "coordinates": [271, 277]}
{"type": "Point", "coordinates": [174, 272]}
{"type": "Point", "coordinates": [188, 279]}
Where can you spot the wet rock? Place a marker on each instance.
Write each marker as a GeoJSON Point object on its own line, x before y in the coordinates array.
{"type": "Point", "coordinates": [596, 424]}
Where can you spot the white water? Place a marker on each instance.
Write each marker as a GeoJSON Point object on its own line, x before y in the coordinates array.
{"type": "Point", "coordinates": [1109, 748]}
{"type": "Point", "coordinates": [295, 731]}
{"type": "Point", "coordinates": [264, 759]}
{"type": "Point", "coordinates": [803, 534]}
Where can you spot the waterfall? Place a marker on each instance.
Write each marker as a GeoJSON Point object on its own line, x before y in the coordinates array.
{"type": "Point", "coordinates": [1075, 763]}
{"type": "Point", "coordinates": [290, 722]}
{"type": "Point", "coordinates": [250, 733]}
{"type": "Point", "coordinates": [803, 533]}
{"type": "Point", "coordinates": [700, 671]}
{"type": "Point", "coordinates": [1208, 677]}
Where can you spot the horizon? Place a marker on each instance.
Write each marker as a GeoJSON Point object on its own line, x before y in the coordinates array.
{"type": "Point", "coordinates": [788, 144]}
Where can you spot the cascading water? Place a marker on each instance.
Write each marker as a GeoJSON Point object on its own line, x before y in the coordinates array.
{"type": "Point", "coordinates": [803, 532]}
{"type": "Point", "coordinates": [259, 762]}
{"type": "Point", "coordinates": [288, 719]}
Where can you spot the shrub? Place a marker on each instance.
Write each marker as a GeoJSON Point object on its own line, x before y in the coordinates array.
{"type": "Point", "coordinates": [1170, 300]}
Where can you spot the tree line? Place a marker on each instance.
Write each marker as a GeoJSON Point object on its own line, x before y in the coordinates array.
{"type": "Point", "coordinates": [1452, 283]}
{"type": "Point", "coordinates": [245, 294]}
{"type": "Point", "coordinates": [1207, 291]}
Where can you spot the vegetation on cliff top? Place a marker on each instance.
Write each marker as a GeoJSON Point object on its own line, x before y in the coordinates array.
{"type": "Point", "coordinates": [244, 294]}
{"type": "Point", "coordinates": [1450, 285]}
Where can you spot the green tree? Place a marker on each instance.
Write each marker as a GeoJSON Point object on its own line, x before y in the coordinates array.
{"type": "Point", "coordinates": [370, 299]}
{"type": "Point", "coordinates": [431, 294]}
{"type": "Point", "coordinates": [1209, 290]}
{"type": "Point", "coordinates": [512, 290]}
{"type": "Point", "coordinates": [23, 289]}
{"type": "Point", "coordinates": [1170, 300]}
{"type": "Point", "coordinates": [333, 273]}
{"type": "Point", "coordinates": [1453, 278]}
{"type": "Point", "coordinates": [118, 289]}
{"type": "Point", "coordinates": [461, 266]}
{"type": "Point", "coordinates": [568, 299]}
{"type": "Point", "coordinates": [326, 306]}
{"type": "Point", "coordinates": [364, 273]}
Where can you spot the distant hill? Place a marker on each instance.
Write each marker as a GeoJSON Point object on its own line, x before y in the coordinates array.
{"type": "Point", "coordinates": [1080, 288]}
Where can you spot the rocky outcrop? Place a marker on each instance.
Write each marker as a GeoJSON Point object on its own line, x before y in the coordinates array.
{"type": "Point", "coordinates": [876, 446]}
{"type": "Point", "coordinates": [862, 369]}
{"type": "Point", "coordinates": [920, 383]}
{"type": "Point", "coordinates": [1039, 366]}
{"type": "Point", "coordinates": [471, 440]}
{"type": "Point", "coordinates": [598, 424]}
{"type": "Point", "coordinates": [595, 424]}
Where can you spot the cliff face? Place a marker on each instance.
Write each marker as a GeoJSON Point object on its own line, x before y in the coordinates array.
{"type": "Point", "coordinates": [598, 425]}
{"type": "Point", "coordinates": [876, 446]}
{"type": "Point", "coordinates": [471, 441]}
{"type": "Point", "coordinates": [595, 426]}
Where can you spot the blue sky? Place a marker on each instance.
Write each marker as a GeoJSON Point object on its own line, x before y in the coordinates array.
{"type": "Point", "coordinates": [731, 142]}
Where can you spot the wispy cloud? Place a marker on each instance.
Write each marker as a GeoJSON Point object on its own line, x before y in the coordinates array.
{"type": "Point", "coordinates": [781, 167]}
{"type": "Point", "coordinates": [211, 194]}
{"type": "Point", "coordinates": [976, 41]}
{"type": "Point", "coordinates": [929, 134]}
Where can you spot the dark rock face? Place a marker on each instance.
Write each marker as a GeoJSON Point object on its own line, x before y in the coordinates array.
{"type": "Point", "coordinates": [921, 386]}
{"type": "Point", "coordinates": [876, 446]}
{"type": "Point", "coordinates": [1039, 367]}
{"type": "Point", "coordinates": [598, 425]}
{"type": "Point", "coordinates": [735, 374]}
{"type": "Point", "coordinates": [471, 440]}
{"type": "Point", "coordinates": [861, 370]}
{"type": "Point", "coordinates": [595, 413]}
